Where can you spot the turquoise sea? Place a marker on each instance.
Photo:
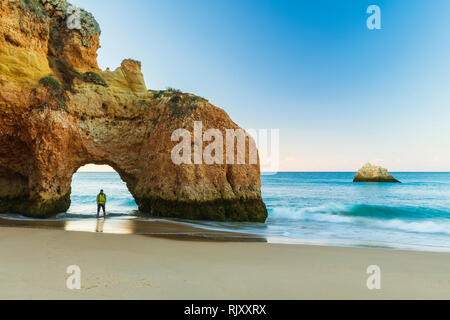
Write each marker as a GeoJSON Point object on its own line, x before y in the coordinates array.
{"type": "Point", "coordinates": [324, 208]}
{"type": "Point", "coordinates": [327, 208]}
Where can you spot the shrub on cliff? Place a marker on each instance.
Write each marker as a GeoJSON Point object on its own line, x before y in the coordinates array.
{"type": "Point", "coordinates": [94, 78]}
{"type": "Point", "coordinates": [173, 90]}
{"type": "Point", "coordinates": [68, 75]}
{"type": "Point", "coordinates": [51, 82]}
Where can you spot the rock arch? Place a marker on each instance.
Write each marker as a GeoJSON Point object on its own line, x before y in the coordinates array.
{"type": "Point", "coordinates": [59, 111]}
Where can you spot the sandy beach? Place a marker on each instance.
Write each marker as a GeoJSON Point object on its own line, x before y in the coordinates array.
{"type": "Point", "coordinates": [33, 265]}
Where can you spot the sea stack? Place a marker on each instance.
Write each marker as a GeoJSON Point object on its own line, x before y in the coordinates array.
{"type": "Point", "coordinates": [60, 111]}
{"type": "Point", "coordinates": [370, 173]}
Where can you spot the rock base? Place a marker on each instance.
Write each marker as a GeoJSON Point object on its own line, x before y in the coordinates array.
{"type": "Point", "coordinates": [35, 209]}
{"type": "Point", "coordinates": [253, 210]}
{"type": "Point", "coordinates": [377, 179]}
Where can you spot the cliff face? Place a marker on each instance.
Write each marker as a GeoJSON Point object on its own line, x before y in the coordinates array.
{"type": "Point", "coordinates": [59, 111]}
{"type": "Point", "coordinates": [370, 173]}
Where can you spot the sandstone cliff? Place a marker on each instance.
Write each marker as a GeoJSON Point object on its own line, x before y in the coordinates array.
{"type": "Point", "coordinates": [370, 173]}
{"type": "Point", "coordinates": [59, 111]}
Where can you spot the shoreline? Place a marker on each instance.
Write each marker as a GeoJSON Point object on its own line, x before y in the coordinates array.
{"type": "Point", "coordinates": [152, 228]}
{"type": "Point", "coordinates": [195, 231]}
{"type": "Point", "coordinates": [33, 265]}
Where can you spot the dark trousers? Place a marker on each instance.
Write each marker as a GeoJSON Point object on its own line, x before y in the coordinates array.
{"type": "Point", "coordinates": [101, 206]}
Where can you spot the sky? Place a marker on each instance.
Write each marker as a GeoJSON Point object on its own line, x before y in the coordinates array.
{"type": "Point", "coordinates": [340, 94]}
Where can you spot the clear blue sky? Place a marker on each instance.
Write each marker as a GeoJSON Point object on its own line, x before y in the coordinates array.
{"type": "Point", "coordinates": [340, 94]}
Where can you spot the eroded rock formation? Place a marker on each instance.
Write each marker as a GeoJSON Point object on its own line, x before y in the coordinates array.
{"type": "Point", "coordinates": [59, 111]}
{"type": "Point", "coordinates": [370, 173]}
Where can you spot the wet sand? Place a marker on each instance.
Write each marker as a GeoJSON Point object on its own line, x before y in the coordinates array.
{"type": "Point", "coordinates": [155, 228]}
{"type": "Point", "coordinates": [33, 264]}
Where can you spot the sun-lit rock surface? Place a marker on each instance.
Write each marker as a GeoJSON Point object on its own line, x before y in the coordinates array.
{"type": "Point", "coordinates": [370, 173]}
{"type": "Point", "coordinates": [59, 111]}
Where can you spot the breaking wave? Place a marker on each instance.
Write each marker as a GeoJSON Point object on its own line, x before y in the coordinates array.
{"type": "Point", "coordinates": [409, 219]}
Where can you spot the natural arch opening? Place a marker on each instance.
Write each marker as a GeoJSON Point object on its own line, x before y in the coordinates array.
{"type": "Point", "coordinates": [86, 184]}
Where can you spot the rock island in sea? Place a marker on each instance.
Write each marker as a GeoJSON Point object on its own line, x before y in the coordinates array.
{"type": "Point", "coordinates": [370, 173]}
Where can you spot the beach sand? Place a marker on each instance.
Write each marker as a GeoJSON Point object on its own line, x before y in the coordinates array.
{"type": "Point", "coordinates": [33, 264]}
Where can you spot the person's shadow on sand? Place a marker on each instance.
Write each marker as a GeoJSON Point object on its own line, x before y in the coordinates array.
{"type": "Point", "coordinates": [100, 224]}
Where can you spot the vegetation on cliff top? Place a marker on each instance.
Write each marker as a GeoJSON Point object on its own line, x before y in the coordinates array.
{"type": "Point", "coordinates": [180, 103]}
{"type": "Point", "coordinates": [69, 74]}
{"type": "Point", "coordinates": [35, 7]}
{"type": "Point", "coordinates": [89, 26]}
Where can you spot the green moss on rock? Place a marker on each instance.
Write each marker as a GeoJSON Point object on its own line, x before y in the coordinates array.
{"type": "Point", "coordinates": [94, 78]}
{"type": "Point", "coordinates": [56, 91]}
{"type": "Point", "coordinates": [69, 74]}
{"type": "Point", "coordinates": [253, 210]}
{"type": "Point", "coordinates": [51, 82]}
{"type": "Point", "coordinates": [35, 208]}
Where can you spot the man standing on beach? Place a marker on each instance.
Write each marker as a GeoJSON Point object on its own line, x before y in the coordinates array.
{"type": "Point", "coordinates": [101, 202]}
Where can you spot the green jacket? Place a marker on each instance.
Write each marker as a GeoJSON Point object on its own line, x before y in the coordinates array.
{"type": "Point", "coordinates": [101, 198]}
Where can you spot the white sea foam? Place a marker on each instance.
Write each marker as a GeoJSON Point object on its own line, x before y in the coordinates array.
{"type": "Point", "coordinates": [341, 213]}
{"type": "Point", "coordinates": [425, 226]}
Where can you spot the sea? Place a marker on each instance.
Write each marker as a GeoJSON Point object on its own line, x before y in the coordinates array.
{"type": "Point", "coordinates": [314, 208]}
